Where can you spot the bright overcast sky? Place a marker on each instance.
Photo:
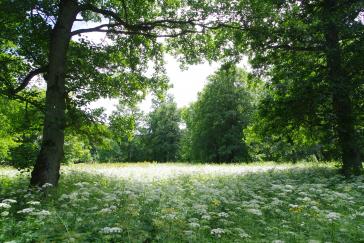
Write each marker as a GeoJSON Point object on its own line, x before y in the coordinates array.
{"type": "Point", "coordinates": [185, 84]}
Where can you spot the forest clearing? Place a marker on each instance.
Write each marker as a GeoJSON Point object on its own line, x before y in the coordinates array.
{"type": "Point", "coordinates": [189, 203]}
{"type": "Point", "coordinates": [248, 115]}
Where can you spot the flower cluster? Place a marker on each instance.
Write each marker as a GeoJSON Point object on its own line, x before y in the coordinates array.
{"type": "Point", "coordinates": [304, 204]}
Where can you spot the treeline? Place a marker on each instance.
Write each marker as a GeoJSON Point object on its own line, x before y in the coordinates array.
{"type": "Point", "coordinates": [237, 118]}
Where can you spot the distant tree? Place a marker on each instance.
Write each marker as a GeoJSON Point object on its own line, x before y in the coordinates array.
{"type": "Point", "coordinates": [124, 124]}
{"type": "Point", "coordinates": [163, 131]}
{"type": "Point", "coordinates": [185, 148]}
{"type": "Point", "coordinates": [216, 121]}
{"type": "Point", "coordinates": [76, 149]}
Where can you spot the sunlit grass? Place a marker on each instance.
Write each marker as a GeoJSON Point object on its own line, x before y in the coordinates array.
{"type": "Point", "coordinates": [294, 203]}
{"type": "Point", "coordinates": [155, 171]}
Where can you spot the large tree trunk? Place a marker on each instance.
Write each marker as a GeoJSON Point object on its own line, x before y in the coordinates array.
{"type": "Point", "coordinates": [47, 166]}
{"type": "Point", "coordinates": [341, 96]}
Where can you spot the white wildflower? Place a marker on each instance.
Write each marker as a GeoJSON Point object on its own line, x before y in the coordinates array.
{"type": "Point", "coordinates": [242, 233]}
{"type": "Point", "coordinates": [63, 197]}
{"type": "Point", "coordinates": [254, 211]}
{"type": "Point", "coordinates": [26, 210]}
{"type": "Point", "coordinates": [33, 203]}
{"type": "Point", "coordinates": [315, 208]}
{"type": "Point", "coordinates": [108, 210]}
{"type": "Point", "coordinates": [4, 214]}
{"type": "Point", "coordinates": [111, 230]}
{"type": "Point", "coordinates": [313, 241]}
{"type": "Point", "coordinates": [85, 194]}
{"type": "Point", "coordinates": [333, 216]}
{"type": "Point", "coordinates": [46, 185]}
{"type": "Point", "coordinates": [200, 208]}
{"type": "Point", "coordinates": [217, 232]}
{"type": "Point", "coordinates": [42, 213]}
{"type": "Point", "coordinates": [73, 196]}
{"type": "Point", "coordinates": [223, 215]}
{"type": "Point", "coordinates": [194, 225]}
{"type": "Point", "coordinates": [79, 184]}
{"type": "Point", "coordinates": [206, 217]}
{"type": "Point", "coordinates": [278, 241]}
{"type": "Point", "coordinates": [9, 201]}
{"type": "Point", "coordinates": [5, 205]}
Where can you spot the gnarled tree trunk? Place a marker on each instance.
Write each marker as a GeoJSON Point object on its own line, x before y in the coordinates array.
{"type": "Point", "coordinates": [47, 166]}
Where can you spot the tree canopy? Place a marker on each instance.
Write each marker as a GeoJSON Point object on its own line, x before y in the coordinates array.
{"type": "Point", "coordinates": [216, 121]}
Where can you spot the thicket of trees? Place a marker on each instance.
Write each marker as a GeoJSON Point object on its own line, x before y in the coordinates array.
{"type": "Point", "coordinates": [309, 53]}
{"type": "Point", "coordinates": [233, 120]}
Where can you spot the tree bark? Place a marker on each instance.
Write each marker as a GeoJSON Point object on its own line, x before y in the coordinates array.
{"type": "Point", "coordinates": [341, 96]}
{"type": "Point", "coordinates": [46, 169]}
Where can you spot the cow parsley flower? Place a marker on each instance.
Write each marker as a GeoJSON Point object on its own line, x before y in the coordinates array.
{"type": "Point", "coordinates": [9, 201]}
{"type": "Point", "coordinates": [42, 213]}
{"type": "Point", "coordinates": [242, 233]}
{"type": "Point", "coordinates": [217, 232]}
{"type": "Point", "coordinates": [26, 210]}
{"type": "Point", "coordinates": [194, 225]}
{"type": "Point", "coordinates": [5, 205]}
{"type": "Point", "coordinates": [254, 211]}
{"type": "Point", "coordinates": [4, 214]}
{"type": "Point", "coordinates": [47, 185]}
{"type": "Point", "coordinates": [108, 210]}
{"type": "Point", "coordinates": [223, 215]}
{"type": "Point", "coordinates": [33, 203]}
{"type": "Point", "coordinates": [333, 216]}
{"type": "Point", "coordinates": [111, 230]}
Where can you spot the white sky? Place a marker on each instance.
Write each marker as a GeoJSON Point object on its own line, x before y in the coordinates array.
{"type": "Point", "coordinates": [185, 84]}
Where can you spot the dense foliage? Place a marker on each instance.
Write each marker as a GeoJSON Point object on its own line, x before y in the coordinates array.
{"type": "Point", "coordinates": [216, 121]}
{"type": "Point", "coordinates": [19, 134]}
{"type": "Point", "coordinates": [163, 132]}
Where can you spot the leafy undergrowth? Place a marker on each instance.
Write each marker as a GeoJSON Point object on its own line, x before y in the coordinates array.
{"type": "Point", "coordinates": [290, 205]}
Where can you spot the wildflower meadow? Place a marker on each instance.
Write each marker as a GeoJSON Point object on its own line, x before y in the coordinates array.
{"type": "Point", "coordinates": [184, 203]}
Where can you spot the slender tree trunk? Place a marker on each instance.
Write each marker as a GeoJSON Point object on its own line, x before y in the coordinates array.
{"type": "Point", "coordinates": [341, 96]}
{"type": "Point", "coordinates": [47, 166]}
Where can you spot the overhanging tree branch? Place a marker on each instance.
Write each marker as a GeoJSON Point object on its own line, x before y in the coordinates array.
{"type": "Point", "coordinates": [146, 27]}
{"type": "Point", "coordinates": [25, 81]}
{"type": "Point", "coordinates": [126, 32]}
{"type": "Point", "coordinates": [99, 28]}
{"type": "Point", "coordinates": [296, 48]}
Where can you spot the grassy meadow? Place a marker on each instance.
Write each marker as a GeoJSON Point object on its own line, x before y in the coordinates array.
{"type": "Point", "coordinates": [150, 202]}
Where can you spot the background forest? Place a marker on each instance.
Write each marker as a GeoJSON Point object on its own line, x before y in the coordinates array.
{"type": "Point", "coordinates": [235, 119]}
